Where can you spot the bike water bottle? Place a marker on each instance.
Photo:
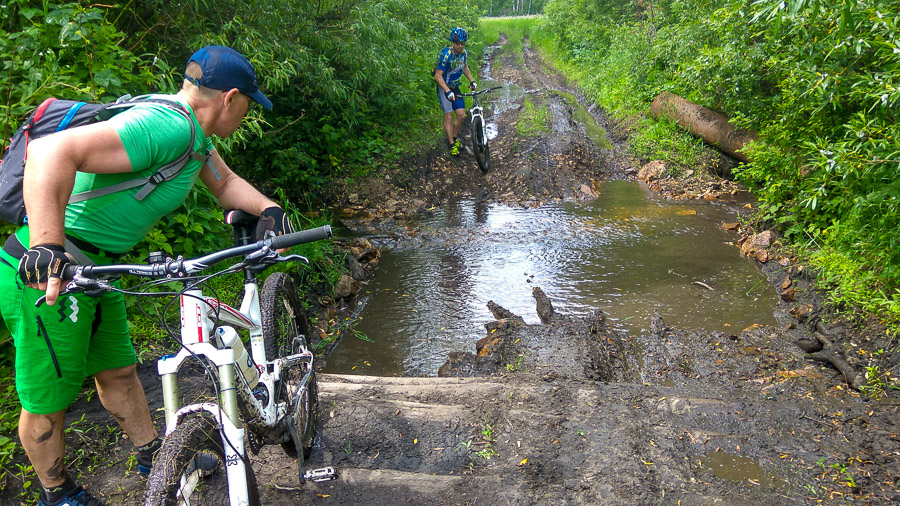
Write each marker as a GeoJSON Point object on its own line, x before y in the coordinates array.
{"type": "Point", "coordinates": [230, 338]}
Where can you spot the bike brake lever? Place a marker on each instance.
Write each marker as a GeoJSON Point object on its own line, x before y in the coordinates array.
{"type": "Point", "coordinates": [70, 287]}
{"type": "Point", "coordinates": [260, 256]}
{"type": "Point", "coordinates": [294, 258]}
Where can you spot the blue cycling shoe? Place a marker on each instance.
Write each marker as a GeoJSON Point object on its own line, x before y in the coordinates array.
{"type": "Point", "coordinates": [77, 497]}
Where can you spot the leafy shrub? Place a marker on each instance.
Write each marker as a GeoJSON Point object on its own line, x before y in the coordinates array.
{"type": "Point", "coordinates": [816, 79]}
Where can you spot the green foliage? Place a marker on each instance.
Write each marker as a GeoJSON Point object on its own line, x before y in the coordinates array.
{"type": "Point", "coordinates": [817, 80]}
{"type": "Point", "coordinates": [349, 79]}
{"type": "Point", "coordinates": [513, 7]}
{"type": "Point", "coordinates": [9, 404]}
{"type": "Point", "coordinates": [658, 140]}
{"type": "Point", "coordinates": [9, 422]}
{"type": "Point", "coordinates": [61, 49]}
{"type": "Point", "coordinates": [345, 77]}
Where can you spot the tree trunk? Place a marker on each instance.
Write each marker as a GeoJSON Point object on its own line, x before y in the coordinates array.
{"type": "Point", "coordinates": [707, 124]}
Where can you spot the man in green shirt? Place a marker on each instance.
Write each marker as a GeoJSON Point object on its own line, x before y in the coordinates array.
{"type": "Point", "coordinates": [69, 338]}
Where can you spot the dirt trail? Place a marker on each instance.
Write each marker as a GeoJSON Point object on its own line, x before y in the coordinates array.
{"type": "Point", "coordinates": [569, 411]}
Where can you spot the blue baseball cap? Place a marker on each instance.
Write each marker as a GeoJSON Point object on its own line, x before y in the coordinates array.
{"type": "Point", "coordinates": [224, 68]}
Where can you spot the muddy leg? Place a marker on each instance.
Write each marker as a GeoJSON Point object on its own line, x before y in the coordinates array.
{"type": "Point", "coordinates": [448, 127]}
{"type": "Point", "coordinates": [42, 438]}
{"type": "Point", "coordinates": [122, 395]}
{"type": "Point", "coordinates": [458, 122]}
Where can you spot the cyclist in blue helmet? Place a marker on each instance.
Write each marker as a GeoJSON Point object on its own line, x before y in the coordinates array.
{"type": "Point", "coordinates": [451, 64]}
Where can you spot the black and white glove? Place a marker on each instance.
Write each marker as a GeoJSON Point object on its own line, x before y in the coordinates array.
{"type": "Point", "coordinates": [273, 221]}
{"type": "Point", "coordinates": [450, 96]}
{"type": "Point", "coordinates": [43, 262]}
{"type": "Point", "coordinates": [473, 85]}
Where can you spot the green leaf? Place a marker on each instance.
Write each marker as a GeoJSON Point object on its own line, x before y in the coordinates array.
{"type": "Point", "coordinates": [846, 23]}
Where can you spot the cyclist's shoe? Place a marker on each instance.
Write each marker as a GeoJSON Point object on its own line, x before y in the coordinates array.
{"type": "Point", "coordinates": [145, 455]}
{"type": "Point", "coordinates": [144, 464]}
{"type": "Point", "coordinates": [454, 148]}
{"type": "Point", "coordinates": [77, 497]}
{"type": "Point", "coordinates": [206, 463]}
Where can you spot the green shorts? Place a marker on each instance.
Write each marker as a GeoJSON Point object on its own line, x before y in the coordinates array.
{"type": "Point", "coordinates": [58, 346]}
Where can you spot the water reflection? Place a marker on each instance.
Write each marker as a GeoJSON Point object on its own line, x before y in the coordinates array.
{"type": "Point", "coordinates": [627, 253]}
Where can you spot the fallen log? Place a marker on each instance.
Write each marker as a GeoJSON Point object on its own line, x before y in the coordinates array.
{"type": "Point", "coordinates": [712, 127]}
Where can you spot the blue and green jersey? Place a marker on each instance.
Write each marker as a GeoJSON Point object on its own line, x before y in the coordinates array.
{"type": "Point", "coordinates": [452, 65]}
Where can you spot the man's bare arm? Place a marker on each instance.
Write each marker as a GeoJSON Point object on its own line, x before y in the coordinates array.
{"type": "Point", "coordinates": [439, 78]}
{"type": "Point", "coordinates": [50, 173]}
{"type": "Point", "coordinates": [51, 164]}
{"type": "Point", "coordinates": [231, 190]}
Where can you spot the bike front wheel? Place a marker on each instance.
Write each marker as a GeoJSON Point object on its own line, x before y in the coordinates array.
{"type": "Point", "coordinates": [190, 467]}
{"type": "Point", "coordinates": [480, 144]}
{"type": "Point", "coordinates": [286, 330]}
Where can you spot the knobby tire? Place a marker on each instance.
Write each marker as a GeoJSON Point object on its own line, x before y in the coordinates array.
{"type": "Point", "coordinates": [283, 319]}
{"type": "Point", "coordinates": [480, 145]}
{"type": "Point", "coordinates": [196, 434]}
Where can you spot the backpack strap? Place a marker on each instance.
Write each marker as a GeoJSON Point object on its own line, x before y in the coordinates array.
{"type": "Point", "coordinates": [164, 173]}
{"type": "Point", "coordinates": [77, 254]}
{"type": "Point", "coordinates": [14, 248]}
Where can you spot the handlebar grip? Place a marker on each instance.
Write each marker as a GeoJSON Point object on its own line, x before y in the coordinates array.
{"type": "Point", "coordinates": [301, 237]}
{"type": "Point", "coordinates": [69, 271]}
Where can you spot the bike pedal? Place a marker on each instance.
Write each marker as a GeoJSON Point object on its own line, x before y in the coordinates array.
{"type": "Point", "coordinates": [321, 474]}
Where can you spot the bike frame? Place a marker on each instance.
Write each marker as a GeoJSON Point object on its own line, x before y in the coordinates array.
{"type": "Point", "coordinates": [198, 340]}
{"type": "Point", "coordinates": [477, 113]}
{"type": "Point", "coordinates": [200, 317]}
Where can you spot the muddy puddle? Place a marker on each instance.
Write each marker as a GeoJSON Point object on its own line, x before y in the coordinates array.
{"type": "Point", "coordinates": [627, 252]}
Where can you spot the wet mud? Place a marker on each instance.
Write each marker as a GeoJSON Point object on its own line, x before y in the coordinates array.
{"type": "Point", "coordinates": [571, 411]}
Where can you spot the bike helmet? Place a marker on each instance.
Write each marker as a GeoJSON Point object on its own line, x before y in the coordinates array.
{"type": "Point", "coordinates": [458, 35]}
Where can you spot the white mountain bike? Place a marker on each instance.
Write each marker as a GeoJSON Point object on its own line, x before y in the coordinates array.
{"type": "Point", "coordinates": [269, 398]}
{"type": "Point", "coordinates": [479, 130]}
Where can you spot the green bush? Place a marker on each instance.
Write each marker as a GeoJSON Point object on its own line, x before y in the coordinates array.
{"type": "Point", "coordinates": [816, 80]}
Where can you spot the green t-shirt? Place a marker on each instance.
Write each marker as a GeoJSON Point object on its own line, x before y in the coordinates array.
{"type": "Point", "coordinates": [153, 135]}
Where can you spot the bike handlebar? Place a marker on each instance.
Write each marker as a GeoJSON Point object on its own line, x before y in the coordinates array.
{"type": "Point", "coordinates": [180, 267]}
{"type": "Point", "coordinates": [301, 237]}
{"type": "Point", "coordinates": [479, 92]}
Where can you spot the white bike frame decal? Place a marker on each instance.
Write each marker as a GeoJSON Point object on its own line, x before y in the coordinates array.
{"type": "Point", "coordinates": [227, 313]}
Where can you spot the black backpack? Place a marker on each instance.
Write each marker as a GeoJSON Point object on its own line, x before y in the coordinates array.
{"type": "Point", "coordinates": [54, 115]}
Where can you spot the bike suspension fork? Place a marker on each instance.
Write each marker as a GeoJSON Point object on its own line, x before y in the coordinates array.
{"type": "Point", "coordinates": [228, 393]}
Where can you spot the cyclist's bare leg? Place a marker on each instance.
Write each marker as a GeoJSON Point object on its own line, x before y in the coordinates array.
{"type": "Point", "coordinates": [42, 438]}
{"type": "Point", "coordinates": [448, 127]}
{"type": "Point", "coordinates": [122, 395]}
{"type": "Point", "coordinates": [458, 123]}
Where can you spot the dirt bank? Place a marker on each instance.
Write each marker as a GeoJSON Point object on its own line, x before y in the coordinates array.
{"type": "Point", "coordinates": [570, 411]}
